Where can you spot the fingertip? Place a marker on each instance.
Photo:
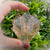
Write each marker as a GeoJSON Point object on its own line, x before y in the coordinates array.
{"type": "Point", "coordinates": [23, 7]}
{"type": "Point", "coordinates": [27, 8]}
{"type": "Point", "coordinates": [26, 45]}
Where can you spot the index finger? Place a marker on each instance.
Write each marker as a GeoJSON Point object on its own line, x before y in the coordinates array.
{"type": "Point", "coordinates": [6, 8]}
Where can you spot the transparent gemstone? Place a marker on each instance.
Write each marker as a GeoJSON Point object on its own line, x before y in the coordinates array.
{"type": "Point", "coordinates": [27, 26]}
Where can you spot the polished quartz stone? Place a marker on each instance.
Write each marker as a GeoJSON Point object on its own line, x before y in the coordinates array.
{"type": "Point", "coordinates": [27, 26]}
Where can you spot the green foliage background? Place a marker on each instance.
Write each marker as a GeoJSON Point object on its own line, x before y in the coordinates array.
{"type": "Point", "coordinates": [40, 9]}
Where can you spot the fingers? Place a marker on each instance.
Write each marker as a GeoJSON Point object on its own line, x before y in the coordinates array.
{"type": "Point", "coordinates": [7, 6]}
{"type": "Point", "coordinates": [4, 10]}
{"type": "Point", "coordinates": [13, 43]}
{"type": "Point", "coordinates": [6, 42]}
{"type": "Point", "coordinates": [18, 5]}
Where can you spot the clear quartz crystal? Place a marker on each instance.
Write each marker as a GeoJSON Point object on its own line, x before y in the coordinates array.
{"type": "Point", "coordinates": [27, 26]}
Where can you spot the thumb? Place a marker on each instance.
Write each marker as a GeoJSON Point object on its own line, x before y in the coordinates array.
{"type": "Point", "coordinates": [6, 42]}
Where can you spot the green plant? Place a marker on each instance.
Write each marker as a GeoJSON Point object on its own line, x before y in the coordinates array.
{"type": "Point", "coordinates": [38, 8]}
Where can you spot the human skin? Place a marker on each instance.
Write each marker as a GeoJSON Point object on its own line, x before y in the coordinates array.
{"type": "Point", "coordinates": [6, 42]}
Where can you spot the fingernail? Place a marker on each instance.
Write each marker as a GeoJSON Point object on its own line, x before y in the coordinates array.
{"type": "Point", "coordinates": [28, 8]}
{"type": "Point", "coordinates": [26, 45]}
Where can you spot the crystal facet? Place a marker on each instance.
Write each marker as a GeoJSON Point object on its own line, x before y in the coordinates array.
{"type": "Point", "coordinates": [27, 26]}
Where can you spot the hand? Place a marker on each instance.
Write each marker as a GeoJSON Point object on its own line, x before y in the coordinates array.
{"type": "Point", "coordinates": [6, 42]}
